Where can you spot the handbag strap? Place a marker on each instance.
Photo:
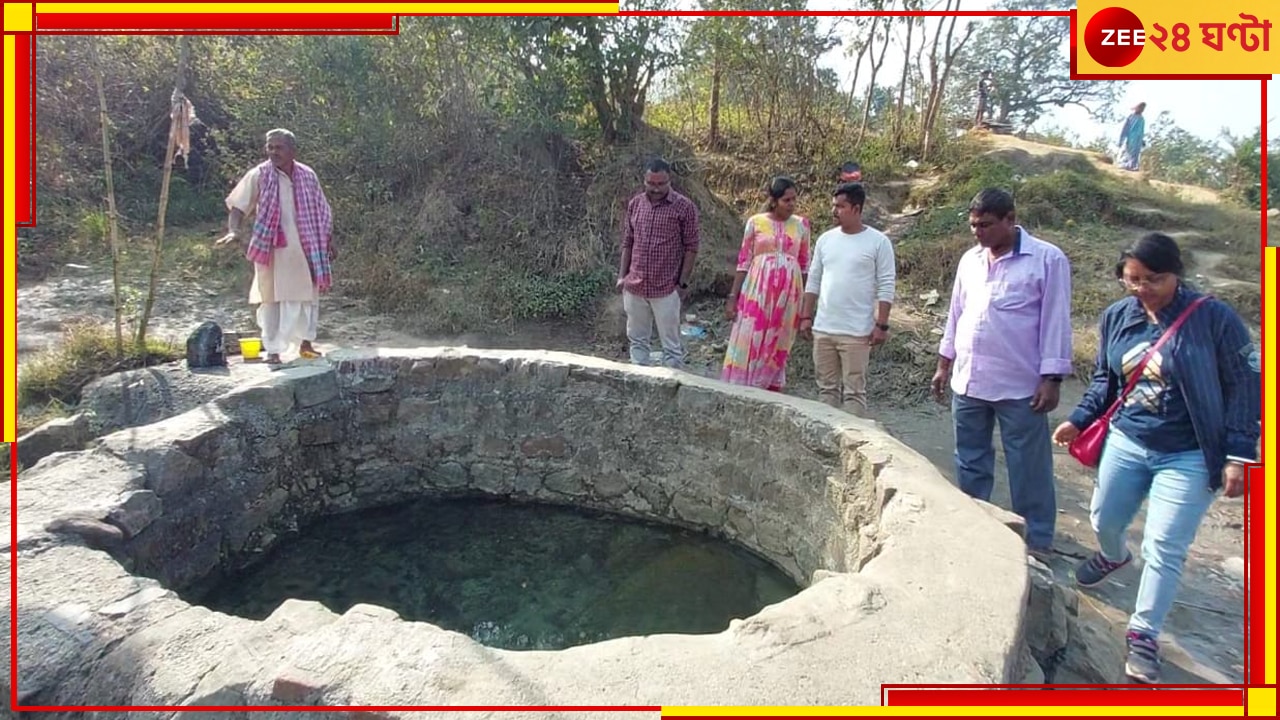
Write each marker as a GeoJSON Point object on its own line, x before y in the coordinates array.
{"type": "Point", "coordinates": [1142, 365]}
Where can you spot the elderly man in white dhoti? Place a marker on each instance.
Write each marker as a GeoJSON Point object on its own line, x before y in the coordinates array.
{"type": "Point", "coordinates": [290, 245]}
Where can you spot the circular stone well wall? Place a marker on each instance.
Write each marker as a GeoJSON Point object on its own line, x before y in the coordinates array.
{"type": "Point", "coordinates": [906, 579]}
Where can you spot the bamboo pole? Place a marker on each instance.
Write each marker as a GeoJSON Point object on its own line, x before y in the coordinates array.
{"type": "Point", "coordinates": [177, 107]}
{"type": "Point", "coordinates": [112, 215]}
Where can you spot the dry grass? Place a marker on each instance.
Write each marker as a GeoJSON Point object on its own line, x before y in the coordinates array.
{"type": "Point", "coordinates": [33, 416]}
{"type": "Point", "coordinates": [1084, 347]}
{"type": "Point", "coordinates": [486, 250]}
{"type": "Point", "coordinates": [86, 353]}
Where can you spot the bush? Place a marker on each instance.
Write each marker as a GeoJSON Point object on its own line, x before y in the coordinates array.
{"type": "Point", "coordinates": [1037, 214]}
{"type": "Point", "coordinates": [561, 297]}
{"type": "Point", "coordinates": [970, 178]}
{"type": "Point", "coordinates": [1072, 191]}
{"type": "Point", "coordinates": [939, 221]}
{"type": "Point", "coordinates": [1067, 194]}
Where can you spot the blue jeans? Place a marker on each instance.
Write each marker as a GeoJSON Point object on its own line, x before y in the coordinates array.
{"type": "Point", "coordinates": [1176, 486]}
{"type": "Point", "coordinates": [1028, 453]}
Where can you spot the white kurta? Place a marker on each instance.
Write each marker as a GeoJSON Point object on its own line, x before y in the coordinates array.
{"type": "Point", "coordinates": [288, 300]}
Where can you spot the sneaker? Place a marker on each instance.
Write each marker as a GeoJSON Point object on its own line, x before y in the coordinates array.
{"type": "Point", "coordinates": [1094, 570]}
{"type": "Point", "coordinates": [1143, 663]}
{"type": "Point", "coordinates": [1043, 554]}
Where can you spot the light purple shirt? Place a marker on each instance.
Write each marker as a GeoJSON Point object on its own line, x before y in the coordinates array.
{"type": "Point", "coordinates": [1010, 320]}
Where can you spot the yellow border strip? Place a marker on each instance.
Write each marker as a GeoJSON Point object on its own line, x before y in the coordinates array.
{"type": "Point", "coordinates": [17, 17]}
{"type": "Point", "coordinates": [1267, 624]}
{"type": "Point", "coordinates": [10, 241]}
{"type": "Point", "coordinates": [1262, 702]}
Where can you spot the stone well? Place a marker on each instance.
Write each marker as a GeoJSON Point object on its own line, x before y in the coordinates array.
{"type": "Point", "coordinates": [905, 579]}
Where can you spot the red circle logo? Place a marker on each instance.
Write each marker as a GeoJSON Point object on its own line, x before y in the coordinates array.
{"type": "Point", "coordinates": [1114, 37]}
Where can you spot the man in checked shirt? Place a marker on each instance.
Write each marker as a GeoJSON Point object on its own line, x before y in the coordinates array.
{"type": "Point", "coordinates": [659, 246]}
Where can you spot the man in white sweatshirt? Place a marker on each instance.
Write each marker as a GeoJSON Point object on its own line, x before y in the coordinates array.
{"type": "Point", "coordinates": [847, 300]}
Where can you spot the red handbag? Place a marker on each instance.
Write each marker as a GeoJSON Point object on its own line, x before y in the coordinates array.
{"type": "Point", "coordinates": [1087, 447]}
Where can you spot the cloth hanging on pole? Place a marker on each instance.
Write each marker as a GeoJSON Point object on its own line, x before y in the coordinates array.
{"type": "Point", "coordinates": [182, 115]}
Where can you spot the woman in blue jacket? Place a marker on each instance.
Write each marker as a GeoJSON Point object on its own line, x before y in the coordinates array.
{"type": "Point", "coordinates": [1186, 430]}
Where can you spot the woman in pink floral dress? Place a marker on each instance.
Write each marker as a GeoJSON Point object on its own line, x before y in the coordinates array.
{"type": "Point", "coordinates": [767, 292]}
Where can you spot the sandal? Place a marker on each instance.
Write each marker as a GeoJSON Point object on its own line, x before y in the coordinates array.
{"type": "Point", "coordinates": [309, 354]}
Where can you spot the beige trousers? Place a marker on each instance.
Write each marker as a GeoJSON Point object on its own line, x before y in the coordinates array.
{"type": "Point", "coordinates": [642, 314]}
{"type": "Point", "coordinates": [840, 363]}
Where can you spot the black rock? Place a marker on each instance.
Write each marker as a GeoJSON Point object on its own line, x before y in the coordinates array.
{"type": "Point", "coordinates": [205, 347]}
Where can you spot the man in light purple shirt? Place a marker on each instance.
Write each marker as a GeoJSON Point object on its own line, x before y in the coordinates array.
{"type": "Point", "coordinates": [1006, 349]}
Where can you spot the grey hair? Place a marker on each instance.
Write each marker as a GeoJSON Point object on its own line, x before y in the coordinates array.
{"type": "Point", "coordinates": [286, 135]}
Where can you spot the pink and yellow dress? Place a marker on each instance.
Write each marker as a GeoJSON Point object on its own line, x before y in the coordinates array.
{"type": "Point", "coordinates": [775, 257]}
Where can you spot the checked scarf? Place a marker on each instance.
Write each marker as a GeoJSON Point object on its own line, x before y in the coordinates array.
{"type": "Point", "coordinates": [315, 220]}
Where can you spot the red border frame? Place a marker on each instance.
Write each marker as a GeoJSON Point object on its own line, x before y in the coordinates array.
{"type": "Point", "coordinates": [208, 23]}
{"type": "Point", "coordinates": [316, 24]}
{"type": "Point", "coordinates": [25, 132]}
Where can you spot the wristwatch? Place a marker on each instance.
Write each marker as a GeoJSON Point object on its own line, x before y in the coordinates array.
{"type": "Point", "coordinates": [684, 286]}
{"type": "Point", "coordinates": [1053, 378]}
{"type": "Point", "coordinates": [883, 326]}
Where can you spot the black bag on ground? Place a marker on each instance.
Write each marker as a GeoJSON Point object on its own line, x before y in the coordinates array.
{"type": "Point", "coordinates": [205, 347]}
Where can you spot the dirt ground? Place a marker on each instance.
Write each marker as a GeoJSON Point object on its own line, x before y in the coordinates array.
{"type": "Point", "coordinates": [1204, 635]}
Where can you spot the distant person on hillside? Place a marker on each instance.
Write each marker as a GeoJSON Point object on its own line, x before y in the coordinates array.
{"type": "Point", "coordinates": [847, 299]}
{"type": "Point", "coordinates": [1132, 138]}
{"type": "Point", "coordinates": [1005, 349]}
{"type": "Point", "coordinates": [659, 247]}
{"type": "Point", "coordinates": [767, 292]}
{"type": "Point", "coordinates": [291, 245]}
{"type": "Point", "coordinates": [1185, 429]}
{"type": "Point", "coordinates": [986, 86]}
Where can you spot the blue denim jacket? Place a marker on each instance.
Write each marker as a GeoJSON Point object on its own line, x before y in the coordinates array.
{"type": "Point", "coordinates": [1219, 368]}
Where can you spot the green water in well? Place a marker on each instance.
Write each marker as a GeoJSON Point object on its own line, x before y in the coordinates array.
{"type": "Point", "coordinates": [512, 576]}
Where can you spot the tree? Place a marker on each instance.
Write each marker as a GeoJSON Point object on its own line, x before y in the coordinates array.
{"type": "Point", "coordinates": [1175, 155]}
{"type": "Point", "coordinates": [951, 48]}
{"type": "Point", "coordinates": [606, 63]}
{"type": "Point", "coordinates": [911, 24]}
{"type": "Point", "coordinates": [1242, 168]}
{"type": "Point", "coordinates": [620, 56]}
{"type": "Point", "coordinates": [860, 43]}
{"type": "Point", "coordinates": [716, 41]}
{"type": "Point", "coordinates": [1030, 60]}
{"type": "Point", "coordinates": [766, 66]}
{"type": "Point", "coordinates": [875, 70]}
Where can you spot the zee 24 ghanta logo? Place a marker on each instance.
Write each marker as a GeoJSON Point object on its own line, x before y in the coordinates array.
{"type": "Point", "coordinates": [1115, 37]}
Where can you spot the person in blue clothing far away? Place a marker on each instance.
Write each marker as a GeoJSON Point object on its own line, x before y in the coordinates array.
{"type": "Point", "coordinates": [1133, 138]}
